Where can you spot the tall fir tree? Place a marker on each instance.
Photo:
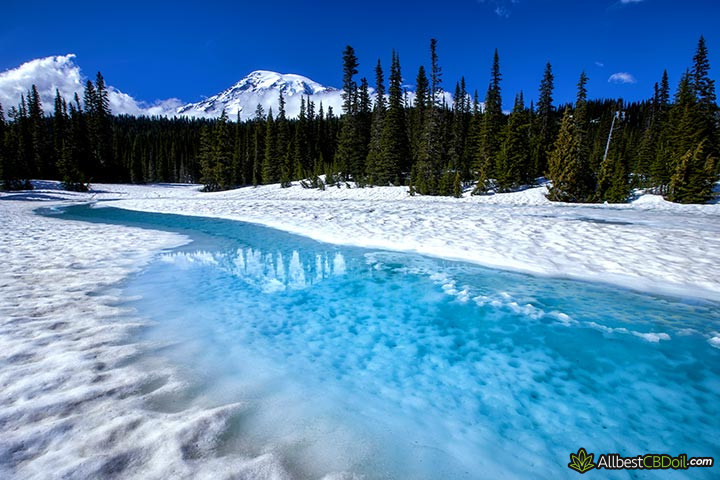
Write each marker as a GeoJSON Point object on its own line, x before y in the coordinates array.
{"type": "Point", "coordinates": [490, 128]}
{"type": "Point", "coordinates": [351, 152]}
{"type": "Point", "coordinates": [394, 142]}
{"type": "Point", "coordinates": [270, 164]}
{"type": "Point", "coordinates": [433, 156]}
{"type": "Point", "coordinates": [545, 128]}
{"type": "Point", "coordinates": [694, 177]}
{"type": "Point", "coordinates": [584, 167]}
{"type": "Point", "coordinates": [514, 162]}
{"type": "Point", "coordinates": [376, 128]}
{"type": "Point", "coordinates": [564, 164]}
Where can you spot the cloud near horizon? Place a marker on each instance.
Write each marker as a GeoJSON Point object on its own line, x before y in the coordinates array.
{"type": "Point", "coordinates": [62, 74]}
{"type": "Point", "coordinates": [622, 77]}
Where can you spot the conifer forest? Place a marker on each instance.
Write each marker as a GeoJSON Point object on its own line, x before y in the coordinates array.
{"type": "Point", "coordinates": [592, 150]}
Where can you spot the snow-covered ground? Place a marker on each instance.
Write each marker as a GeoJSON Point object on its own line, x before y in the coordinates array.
{"type": "Point", "coordinates": [649, 245]}
{"type": "Point", "coordinates": [73, 405]}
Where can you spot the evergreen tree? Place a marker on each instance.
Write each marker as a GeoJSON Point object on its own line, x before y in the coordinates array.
{"type": "Point", "coordinates": [16, 168]}
{"type": "Point", "coordinates": [544, 123]}
{"type": "Point", "coordinates": [59, 125]}
{"type": "Point", "coordinates": [585, 187]}
{"type": "Point", "coordinates": [418, 115]}
{"type": "Point", "coordinates": [376, 128]}
{"type": "Point", "coordinates": [613, 185]}
{"type": "Point", "coordinates": [458, 139]}
{"type": "Point", "coordinates": [207, 162]}
{"type": "Point", "coordinates": [352, 142]}
{"type": "Point", "coordinates": [259, 129]}
{"type": "Point", "coordinates": [706, 101]}
{"type": "Point", "coordinates": [283, 147]}
{"type": "Point", "coordinates": [136, 163]}
{"type": "Point", "coordinates": [270, 167]}
{"type": "Point", "coordinates": [491, 126]}
{"type": "Point", "coordinates": [514, 161]}
{"type": "Point", "coordinates": [432, 152]}
{"type": "Point", "coordinates": [694, 177]}
{"type": "Point", "coordinates": [222, 153]}
{"type": "Point", "coordinates": [564, 164]}
{"type": "Point", "coordinates": [394, 142]}
{"type": "Point", "coordinates": [658, 134]}
{"type": "Point", "coordinates": [70, 165]}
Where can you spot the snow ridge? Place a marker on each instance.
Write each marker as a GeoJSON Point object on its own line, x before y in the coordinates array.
{"type": "Point", "coordinates": [263, 87]}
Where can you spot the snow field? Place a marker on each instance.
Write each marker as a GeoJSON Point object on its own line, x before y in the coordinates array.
{"type": "Point", "coordinates": [73, 405]}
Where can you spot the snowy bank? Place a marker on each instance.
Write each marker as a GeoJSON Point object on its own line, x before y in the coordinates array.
{"type": "Point", "coordinates": [649, 245]}
{"type": "Point", "coordinates": [72, 404]}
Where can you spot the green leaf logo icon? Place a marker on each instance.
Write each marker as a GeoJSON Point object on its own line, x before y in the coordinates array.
{"type": "Point", "coordinates": [581, 462]}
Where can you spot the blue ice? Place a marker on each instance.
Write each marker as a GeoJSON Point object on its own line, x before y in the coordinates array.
{"type": "Point", "coordinates": [394, 365]}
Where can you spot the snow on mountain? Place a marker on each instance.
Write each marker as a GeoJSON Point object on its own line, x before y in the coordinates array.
{"type": "Point", "coordinates": [60, 72]}
{"type": "Point", "coordinates": [263, 87]}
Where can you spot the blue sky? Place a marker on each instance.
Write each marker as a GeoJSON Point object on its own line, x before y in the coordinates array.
{"type": "Point", "coordinates": [189, 50]}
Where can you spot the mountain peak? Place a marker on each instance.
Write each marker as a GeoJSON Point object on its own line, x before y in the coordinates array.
{"type": "Point", "coordinates": [263, 87]}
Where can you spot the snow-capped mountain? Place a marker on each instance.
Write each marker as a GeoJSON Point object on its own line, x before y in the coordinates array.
{"type": "Point", "coordinates": [263, 87]}
{"type": "Point", "coordinates": [259, 87]}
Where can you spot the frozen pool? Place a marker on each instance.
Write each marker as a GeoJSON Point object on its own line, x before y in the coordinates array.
{"type": "Point", "coordinates": [394, 365]}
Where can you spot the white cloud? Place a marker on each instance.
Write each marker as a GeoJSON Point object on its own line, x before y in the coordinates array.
{"type": "Point", "coordinates": [621, 77]}
{"type": "Point", "coordinates": [600, 64]}
{"type": "Point", "coordinates": [502, 7]}
{"type": "Point", "coordinates": [624, 2]}
{"type": "Point", "coordinates": [60, 72]}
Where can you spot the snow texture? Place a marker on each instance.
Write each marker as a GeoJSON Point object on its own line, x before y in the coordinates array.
{"type": "Point", "coordinates": [72, 405]}
{"type": "Point", "coordinates": [76, 393]}
{"type": "Point", "coordinates": [648, 245]}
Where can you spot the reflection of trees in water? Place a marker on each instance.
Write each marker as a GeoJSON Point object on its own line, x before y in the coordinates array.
{"type": "Point", "coordinates": [265, 270]}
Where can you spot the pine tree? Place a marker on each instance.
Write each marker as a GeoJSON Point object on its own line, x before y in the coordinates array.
{"type": "Point", "coordinates": [59, 125]}
{"type": "Point", "coordinates": [394, 142]}
{"type": "Point", "coordinates": [564, 163]}
{"type": "Point", "coordinates": [270, 170]}
{"type": "Point", "coordinates": [432, 156]}
{"type": "Point", "coordinates": [136, 164]}
{"type": "Point", "coordinates": [457, 185]}
{"type": "Point", "coordinates": [585, 187]}
{"type": "Point", "coordinates": [703, 85]}
{"type": "Point", "coordinates": [207, 162]}
{"type": "Point", "coordinates": [17, 165]}
{"type": "Point", "coordinates": [352, 142]}
{"type": "Point", "coordinates": [283, 147]}
{"type": "Point", "coordinates": [513, 160]}
{"type": "Point", "coordinates": [376, 127]}
{"type": "Point", "coordinates": [491, 126]}
{"type": "Point", "coordinates": [659, 165]}
{"type": "Point", "coordinates": [222, 153]}
{"type": "Point", "coordinates": [73, 151]}
{"type": "Point", "coordinates": [38, 157]}
{"type": "Point", "coordinates": [258, 145]}
{"type": "Point", "coordinates": [706, 101]}
{"type": "Point", "coordinates": [458, 139]}
{"type": "Point", "coordinates": [694, 177]}
{"type": "Point", "coordinates": [613, 185]}
{"type": "Point", "coordinates": [545, 123]}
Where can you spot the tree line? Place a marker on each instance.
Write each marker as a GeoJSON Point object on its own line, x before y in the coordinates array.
{"type": "Point", "coordinates": [667, 144]}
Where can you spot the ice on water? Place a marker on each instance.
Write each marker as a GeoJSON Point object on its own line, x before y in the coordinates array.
{"type": "Point", "coordinates": [392, 364]}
